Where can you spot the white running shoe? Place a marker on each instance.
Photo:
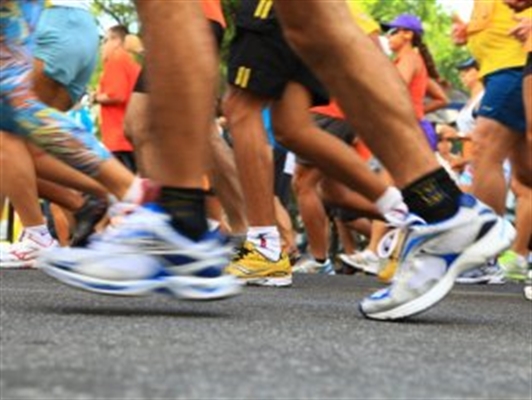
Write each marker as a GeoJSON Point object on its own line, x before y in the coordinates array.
{"type": "Point", "coordinates": [145, 254]}
{"type": "Point", "coordinates": [311, 266]}
{"type": "Point", "coordinates": [24, 252]}
{"type": "Point", "coordinates": [434, 255]}
{"type": "Point", "coordinates": [366, 261]}
{"type": "Point", "coordinates": [527, 291]}
{"type": "Point", "coordinates": [489, 274]}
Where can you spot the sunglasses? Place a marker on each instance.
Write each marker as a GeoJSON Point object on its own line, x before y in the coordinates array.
{"type": "Point", "coordinates": [393, 31]}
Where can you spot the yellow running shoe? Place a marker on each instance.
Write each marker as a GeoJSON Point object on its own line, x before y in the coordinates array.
{"type": "Point", "coordinates": [253, 268]}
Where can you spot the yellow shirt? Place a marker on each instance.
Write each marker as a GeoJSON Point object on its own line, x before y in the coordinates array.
{"type": "Point", "coordinates": [362, 18]}
{"type": "Point", "coordinates": [489, 41]}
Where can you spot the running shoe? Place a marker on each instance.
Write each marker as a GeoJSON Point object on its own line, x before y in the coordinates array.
{"type": "Point", "coordinates": [86, 218]}
{"type": "Point", "coordinates": [527, 291]}
{"type": "Point", "coordinates": [366, 261]}
{"type": "Point", "coordinates": [489, 274]}
{"type": "Point", "coordinates": [514, 266]}
{"type": "Point", "coordinates": [142, 255]}
{"type": "Point", "coordinates": [24, 252]}
{"type": "Point", "coordinates": [311, 266]}
{"type": "Point", "coordinates": [434, 255]}
{"type": "Point", "coordinates": [252, 268]}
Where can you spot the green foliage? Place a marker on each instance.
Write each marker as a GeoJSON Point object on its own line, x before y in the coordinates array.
{"type": "Point", "coordinates": [121, 12]}
{"type": "Point", "coordinates": [108, 13]}
{"type": "Point", "coordinates": [437, 23]}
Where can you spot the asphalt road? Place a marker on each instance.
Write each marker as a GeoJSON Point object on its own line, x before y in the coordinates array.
{"type": "Point", "coordinates": [305, 342]}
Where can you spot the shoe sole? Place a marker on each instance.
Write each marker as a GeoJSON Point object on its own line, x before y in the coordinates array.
{"type": "Point", "coordinates": [352, 265]}
{"type": "Point", "coordinates": [314, 272]}
{"type": "Point", "coordinates": [496, 240]}
{"type": "Point", "coordinates": [473, 281]}
{"type": "Point", "coordinates": [181, 287]}
{"type": "Point", "coordinates": [268, 282]}
{"type": "Point", "coordinates": [485, 280]}
{"type": "Point", "coordinates": [18, 265]}
{"type": "Point", "coordinates": [360, 267]}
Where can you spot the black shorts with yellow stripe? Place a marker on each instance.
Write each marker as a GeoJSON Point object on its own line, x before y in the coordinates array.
{"type": "Point", "coordinates": [263, 63]}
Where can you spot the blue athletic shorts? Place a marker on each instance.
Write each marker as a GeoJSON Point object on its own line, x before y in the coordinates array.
{"type": "Point", "coordinates": [67, 42]}
{"type": "Point", "coordinates": [503, 101]}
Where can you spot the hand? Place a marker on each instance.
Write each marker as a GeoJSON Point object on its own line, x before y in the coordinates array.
{"type": "Point", "coordinates": [92, 97]}
{"type": "Point", "coordinates": [446, 130]}
{"type": "Point", "coordinates": [518, 5]}
{"type": "Point", "coordinates": [459, 32]}
{"type": "Point", "coordinates": [523, 30]}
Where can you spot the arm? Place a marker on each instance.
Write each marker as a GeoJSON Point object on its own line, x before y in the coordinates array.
{"type": "Point", "coordinates": [407, 68]}
{"type": "Point", "coordinates": [437, 96]}
{"type": "Point", "coordinates": [459, 31]}
{"type": "Point", "coordinates": [104, 99]}
{"type": "Point", "coordinates": [523, 30]}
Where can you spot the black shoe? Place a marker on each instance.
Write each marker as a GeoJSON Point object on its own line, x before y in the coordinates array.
{"type": "Point", "coordinates": [87, 217]}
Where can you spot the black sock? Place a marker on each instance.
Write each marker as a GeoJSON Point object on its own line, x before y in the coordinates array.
{"type": "Point", "coordinates": [187, 209]}
{"type": "Point", "coordinates": [434, 197]}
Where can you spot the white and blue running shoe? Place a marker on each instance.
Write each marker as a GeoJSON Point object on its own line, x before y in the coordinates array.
{"type": "Point", "coordinates": [142, 255]}
{"type": "Point", "coordinates": [434, 255]}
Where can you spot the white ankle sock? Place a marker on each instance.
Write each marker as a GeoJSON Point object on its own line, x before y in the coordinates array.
{"type": "Point", "coordinates": [38, 230]}
{"type": "Point", "coordinates": [392, 206]}
{"type": "Point", "coordinates": [39, 233]}
{"type": "Point", "coordinates": [266, 240]}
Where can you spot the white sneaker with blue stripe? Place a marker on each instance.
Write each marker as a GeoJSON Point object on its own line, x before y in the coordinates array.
{"type": "Point", "coordinates": [311, 266]}
{"type": "Point", "coordinates": [434, 255]}
{"type": "Point", "coordinates": [145, 254]}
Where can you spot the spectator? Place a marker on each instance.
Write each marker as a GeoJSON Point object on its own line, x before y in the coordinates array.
{"type": "Point", "coordinates": [120, 73]}
{"type": "Point", "coordinates": [417, 68]}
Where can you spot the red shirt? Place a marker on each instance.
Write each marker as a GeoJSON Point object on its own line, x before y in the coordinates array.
{"type": "Point", "coordinates": [120, 72]}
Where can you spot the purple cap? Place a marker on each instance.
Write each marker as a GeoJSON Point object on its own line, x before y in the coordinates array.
{"type": "Point", "coordinates": [405, 21]}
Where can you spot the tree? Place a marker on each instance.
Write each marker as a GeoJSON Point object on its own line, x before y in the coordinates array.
{"type": "Point", "coordinates": [122, 12]}
{"type": "Point", "coordinates": [436, 21]}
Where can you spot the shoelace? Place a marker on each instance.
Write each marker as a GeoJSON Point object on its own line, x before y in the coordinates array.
{"type": "Point", "coordinates": [390, 240]}
{"type": "Point", "coordinates": [241, 253]}
{"type": "Point", "coordinates": [388, 243]}
{"type": "Point", "coordinates": [130, 216]}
